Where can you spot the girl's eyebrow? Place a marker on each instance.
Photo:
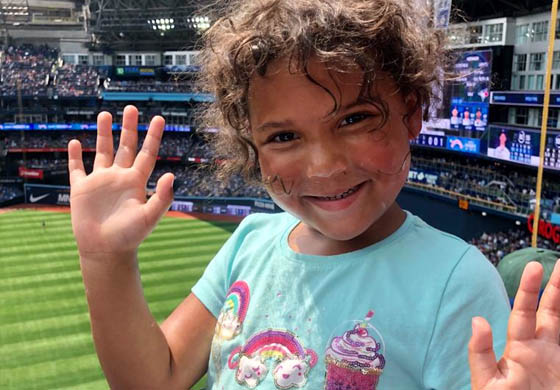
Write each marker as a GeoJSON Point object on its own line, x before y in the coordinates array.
{"type": "Point", "coordinates": [275, 125]}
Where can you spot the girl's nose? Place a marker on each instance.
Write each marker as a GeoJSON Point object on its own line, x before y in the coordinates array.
{"type": "Point", "coordinates": [326, 159]}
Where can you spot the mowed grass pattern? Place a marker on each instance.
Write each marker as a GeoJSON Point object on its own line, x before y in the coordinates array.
{"type": "Point", "coordinates": [45, 339]}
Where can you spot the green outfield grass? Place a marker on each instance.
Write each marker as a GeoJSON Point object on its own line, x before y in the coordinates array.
{"type": "Point", "coordinates": [45, 340]}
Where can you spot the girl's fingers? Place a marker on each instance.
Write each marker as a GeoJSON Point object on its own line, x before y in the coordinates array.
{"type": "Point", "coordinates": [104, 146]}
{"type": "Point", "coordinates": [129, 138]}
{"type": "Point", "coordinates": [482, 359]}
{"type": "Point", "coordinates": [146, 159]}
{"type": "Point", "coordinates": [522, 321]}
{"type": "Point", "coordinates": [75, 163]}
{"type": "Point", "coordinates": [548, 315]}
{"type": "Point", "coordinates": [160, 201]}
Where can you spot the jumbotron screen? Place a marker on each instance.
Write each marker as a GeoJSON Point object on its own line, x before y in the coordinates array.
{"type": "Point", "coordinates": [471, 91]}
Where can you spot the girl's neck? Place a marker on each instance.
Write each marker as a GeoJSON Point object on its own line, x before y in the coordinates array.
{"type": "Point", "coordinates": [306, 240]}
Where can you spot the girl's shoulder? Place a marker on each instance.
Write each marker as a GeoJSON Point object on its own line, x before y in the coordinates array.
{"type": "Point", "coordinates": [267, 222]}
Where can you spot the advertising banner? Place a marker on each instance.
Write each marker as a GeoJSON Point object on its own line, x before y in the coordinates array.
{"type": "Point", "coordinates": [45, 194]}
{"type": "Point", "coordinates": [422, 176]}
{"type": "Point", "coordinates": [471, 91]}
{"type": "Point", "coordinates": [31, 173]}
{"type": "Point", "coordinates": [79, 127]}
{"type": "Point", "coordinates": [463, 144]}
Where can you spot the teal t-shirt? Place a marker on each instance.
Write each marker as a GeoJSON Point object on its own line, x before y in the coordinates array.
{"type": "Point", "coordinates": [391, 316]}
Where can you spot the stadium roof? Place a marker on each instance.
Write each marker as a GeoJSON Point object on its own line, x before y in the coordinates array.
{"type": "Point", "coordinates": [487, 9]}
{"type": "Point", "coordinates": [145, 24]}
{"type": "Point", "coordinates": [175, 24]}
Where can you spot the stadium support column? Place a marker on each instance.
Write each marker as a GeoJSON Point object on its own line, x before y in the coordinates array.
{"type": "Point", "coordinates": [551, 36]}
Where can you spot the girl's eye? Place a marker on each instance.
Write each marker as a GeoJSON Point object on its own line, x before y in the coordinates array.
{"type": "Point", "coordinates": [355, 118]}
{"type": "Point", "coordinates": [283, 137]}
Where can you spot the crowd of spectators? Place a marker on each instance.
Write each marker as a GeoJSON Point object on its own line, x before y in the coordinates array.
{"type": "Point", "coordinates": [147, 86]}
{"type": "Point", "coordinates": [491, 183]}
{"type": "Point", "coordinates": [34, 69]}
{"type": "Point", "coordinates": [10, 191]}
{"type": "Point", "coordinates": [26, 67]}
{"type": "Point", "coordinates": [497, 245]}
{"type": "Point", "coordinates": [173, 144]}
{"type": "Point", "coordinates": [199, 180]}
{"type": "Point", "coordinates": [41, 140]}
{"type": "Point", "coordinates": [76, 80]}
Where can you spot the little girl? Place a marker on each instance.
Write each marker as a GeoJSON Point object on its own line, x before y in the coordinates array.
{"type": "Point", "coordinates": [318, 100]}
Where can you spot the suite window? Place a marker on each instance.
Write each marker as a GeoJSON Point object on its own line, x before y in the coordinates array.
{"type": "Point", "coordinates": [520, 62]}
{"type": "Point", "coordinates": [181, 59]}
{"type": "Point", "coordinates": [98, 59]}
{"type": "Point", "coordinates": [83, 60]}
{"type": "Point", "coordinates": [540, 81]}
{"type": "Point", "coordinates": [475, 34]}
{"type": "Point", "coordinates": [552, 117]}
{"type": "Point", "coordinates": [531, 82]}
{"type": "Point", "coordinates": [522, 81]}
{"type": "Point", "coordinates": [522, 34]}
{"type": "Point", "coordinates": [521, 115]}
{"type": "Point", "coordinates": [69, 59]}
{"type": "Point", "coordinates": [494, 32]}
{"type": "Point", "coordinates": [539, 31]}
{"type": "Point", "coordinates": [136, 59]}
{"type": "Point", "coordinates": [120, 60]}
{"type": "Point", "coordinates": [537, 61]}
{"type": "Point", "coordinates": [150, 59]}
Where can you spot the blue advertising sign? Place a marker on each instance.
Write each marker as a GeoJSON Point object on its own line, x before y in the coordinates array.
{"type": "Point", "coordinates": [79, 126]}
{"type": "Point", "coordinates": [463, 144]}
{"type": "Point", "coordinates": [471, 91]}
{"type": "Point", "coordinates": [521, 98]}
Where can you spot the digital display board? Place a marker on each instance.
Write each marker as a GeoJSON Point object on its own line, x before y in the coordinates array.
{"type": "Point", "coordinates": [430, 140]}
{"type": "Point", "coordinates": [513, 144]}
{"type": "Point", "coordinates": [552, 151]}
{"type": "Point", "coordinates": [470, 92]}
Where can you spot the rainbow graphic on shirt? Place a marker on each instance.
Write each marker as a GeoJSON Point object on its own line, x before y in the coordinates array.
{"type": "Point", "coordinates": [234, 311]}
{"type": "Point", "coordinates": [293, 361]}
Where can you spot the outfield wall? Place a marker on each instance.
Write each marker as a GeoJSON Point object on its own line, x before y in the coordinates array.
{"type": "Point", "coordinates": [60, 195]}
{"type": "Point", "coordinates": [440, 212]}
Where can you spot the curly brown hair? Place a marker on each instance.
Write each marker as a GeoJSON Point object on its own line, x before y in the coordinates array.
{"type": "Point", "coordinates": [391, 36]}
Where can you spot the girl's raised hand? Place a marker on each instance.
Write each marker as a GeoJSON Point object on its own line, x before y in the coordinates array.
{"type": "Point", "coordinates": [110, 214]}
{"type": "Point", "coordinates": [531, 359]}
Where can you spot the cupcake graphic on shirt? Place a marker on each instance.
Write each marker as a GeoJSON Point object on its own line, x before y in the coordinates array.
{"type": "Point", "coordinates": [355, 361]}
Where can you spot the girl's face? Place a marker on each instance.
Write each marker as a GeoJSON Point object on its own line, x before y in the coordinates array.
{"type": "Point", "coordinates": [339, 172]}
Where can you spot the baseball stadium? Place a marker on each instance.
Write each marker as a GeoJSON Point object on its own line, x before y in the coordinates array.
{"type": "Point", "coordinates": [483, 167]}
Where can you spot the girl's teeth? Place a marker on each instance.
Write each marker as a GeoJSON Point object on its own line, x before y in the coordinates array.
{"type": "Point", "coordinates": [341, 196]}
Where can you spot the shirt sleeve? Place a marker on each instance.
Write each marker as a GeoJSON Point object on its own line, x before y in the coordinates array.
{"type": "Point", "coordinates": [212, 287]}
{"type": "Point", "coordinates": [474, 288]}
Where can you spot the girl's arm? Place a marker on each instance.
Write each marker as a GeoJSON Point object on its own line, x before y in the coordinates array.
{"type": "Point", "coordinates": [110, 218]}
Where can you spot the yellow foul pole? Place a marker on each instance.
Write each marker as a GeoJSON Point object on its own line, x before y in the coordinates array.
{"type": "Point", "coordinates": [551, 36]}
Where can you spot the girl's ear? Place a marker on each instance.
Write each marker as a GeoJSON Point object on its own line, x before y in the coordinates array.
{"type": "Point", "coordinates": [413, 118]}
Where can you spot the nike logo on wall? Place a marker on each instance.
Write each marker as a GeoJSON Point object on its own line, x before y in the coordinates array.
{"type": "Point", "coordinates": [34, 199]}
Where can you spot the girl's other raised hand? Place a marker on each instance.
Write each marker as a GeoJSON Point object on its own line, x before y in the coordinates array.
{"type": "Point", "coordinates": [531, 359]}
{"type": "Point", "coordinates": [110, 214]}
